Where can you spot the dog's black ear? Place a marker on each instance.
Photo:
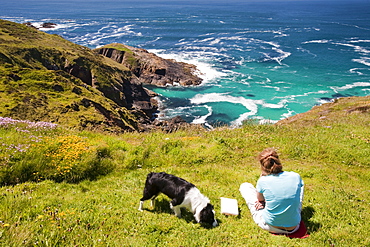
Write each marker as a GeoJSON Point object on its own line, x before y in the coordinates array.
{"type": "Point", "coordinates": [207, 215]}
{"type": "Point", "coordinates": [209, 206]}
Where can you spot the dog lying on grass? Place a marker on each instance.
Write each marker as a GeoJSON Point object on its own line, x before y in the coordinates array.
{"type": "Point", "coordinates": [182, 193]}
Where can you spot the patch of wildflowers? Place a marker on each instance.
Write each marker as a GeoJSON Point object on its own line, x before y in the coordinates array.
{"type": "Point", "coordinates": [6, 122]}
{"type": "Point", "coordinates": [17, 142]}
{"type": "Point", "coordinates": [26, 154]}
{"type": "Point", "coordinates": [66, 154]}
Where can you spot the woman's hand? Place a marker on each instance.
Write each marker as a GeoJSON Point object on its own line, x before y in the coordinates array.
{"type": "Point", "coordinates": [260, 205]}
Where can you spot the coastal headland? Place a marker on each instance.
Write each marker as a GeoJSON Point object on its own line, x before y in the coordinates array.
{"type": "Point", "coordinates": [47, 78]}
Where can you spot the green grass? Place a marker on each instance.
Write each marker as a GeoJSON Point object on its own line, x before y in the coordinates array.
{"type": "Point", "coordinates": [100, 209]}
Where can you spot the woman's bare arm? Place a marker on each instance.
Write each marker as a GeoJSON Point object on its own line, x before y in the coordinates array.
{"type": "Point", "coordinates": [260, 204]}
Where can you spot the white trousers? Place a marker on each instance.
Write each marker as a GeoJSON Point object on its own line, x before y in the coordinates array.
{"type": "Point", "coordinates": [249, 193]}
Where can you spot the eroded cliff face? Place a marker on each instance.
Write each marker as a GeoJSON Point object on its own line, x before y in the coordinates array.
{"type": "Point", "coordinates": [151, 69]}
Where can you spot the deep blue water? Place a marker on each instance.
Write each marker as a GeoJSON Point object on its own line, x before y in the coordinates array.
{"type": "Point", "coordinates": [263, 60]}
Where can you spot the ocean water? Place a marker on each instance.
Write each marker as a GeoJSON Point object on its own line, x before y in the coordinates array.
{"type": "Point", "coordinates": [264, 60]}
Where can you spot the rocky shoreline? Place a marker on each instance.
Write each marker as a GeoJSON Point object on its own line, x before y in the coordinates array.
{"type": "Point", "coordinates": [149, 69]}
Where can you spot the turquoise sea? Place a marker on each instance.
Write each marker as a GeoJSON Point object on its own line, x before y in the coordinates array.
{"type": "Point", "coordinates": [265, 60]}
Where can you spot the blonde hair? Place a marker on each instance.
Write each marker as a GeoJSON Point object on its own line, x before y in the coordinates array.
{"type": "Point", "coordinates": [270, 162]}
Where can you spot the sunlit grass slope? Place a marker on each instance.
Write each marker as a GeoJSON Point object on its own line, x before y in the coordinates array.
{"type": "Point", "coordinates": [66, 188]}
{"type": "Point", "coordinates": [44, 77]}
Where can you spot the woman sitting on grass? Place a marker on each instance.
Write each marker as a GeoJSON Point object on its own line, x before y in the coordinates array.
{"type": "Point", "coordinates": [276, 203]}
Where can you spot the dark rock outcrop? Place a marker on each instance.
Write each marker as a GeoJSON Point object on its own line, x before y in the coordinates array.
{"type": "Point", "coordinates": [151, 69]}
{"type": "Point", "coordinates": [43, 25]}
{"type": "Point", "coordinates": [48, 25]}
{"type": "Point", "coordinates": [29, 24]}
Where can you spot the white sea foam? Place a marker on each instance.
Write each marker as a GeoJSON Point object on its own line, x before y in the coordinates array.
{"type": "Point", "coordinates": [279, 33]}
{"type": "Point", "coordinates": [216, 41]}
{"type": "Point", "coordinates": [284, 55]}
{"type": "Point", "coordinates": [292, 97]}
{"type": "Point", "coordinates": [237, 38]}
{"type": "Point", "coordinates": [271, 43]}
{"type": "Point", "coordinates": [151, 41]}
{"type": "Point", "coordinates": [362, 60]}
{"type": "Point", "coordinates": [349, 86]}
{"type": "Point", "coordinates": [205, 40]}
{"type": "Point", "coordinates": [276, 88]}
{"type": "Point", "coordinates": [204, 49]}
{"type": "Point", "coordinates": [307, 51]}
{"type": "Point", "coordinates": [320, 41]}
{"type": "Point", "coordinates": [323, 101]}
{"type": "Point", "coordinates": [249, 104]}
{"type": "Point", "coordinates": [106, 32]}
{"type": "Point", "coordinates": [278, 59]}
{"type": "Point", "coordinates": [350, 25]}
{"type": "Point", "coordinates": [205, 70]}
{"type": "Point", "coordinates": [279, 105]}
{"type": "Point", "coordinates": [357, 48]}
{"type": "Point", "coordinates": [203, 119]}
{"type": "Point", "coordinates": [259, 41]}
{"type": "Point", "coordinates": [360, 41]}
{"type": "Point", "coordinates": [288, 114]}
{"type": "Point", "coordinates": [356, 70]}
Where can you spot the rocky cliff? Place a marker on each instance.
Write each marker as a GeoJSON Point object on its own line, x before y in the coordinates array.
{"type": "Point", "coordinates": [44, 77]}
{"type": "Point", "coordinates": [151, 69]}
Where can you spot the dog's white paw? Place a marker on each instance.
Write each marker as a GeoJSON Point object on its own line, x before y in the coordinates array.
{"type": "Point", "coordinates": [141, 206]}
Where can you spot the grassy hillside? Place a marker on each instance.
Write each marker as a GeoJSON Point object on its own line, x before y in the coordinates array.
{"type": "Point", "coordinates": [44, 77]}
{"type": "Point", "coordinates": [70, 188]}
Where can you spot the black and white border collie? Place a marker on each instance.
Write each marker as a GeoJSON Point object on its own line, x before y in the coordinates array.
{"type": "Point", "coordinates": [182, 193]}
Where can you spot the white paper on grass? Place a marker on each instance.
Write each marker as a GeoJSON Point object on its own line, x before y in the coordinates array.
{"type": "Point", "coordinates": [229, 206]}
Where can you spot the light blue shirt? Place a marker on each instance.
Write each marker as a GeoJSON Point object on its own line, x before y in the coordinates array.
{"type": "Point", "coordinates": [283, 193]}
